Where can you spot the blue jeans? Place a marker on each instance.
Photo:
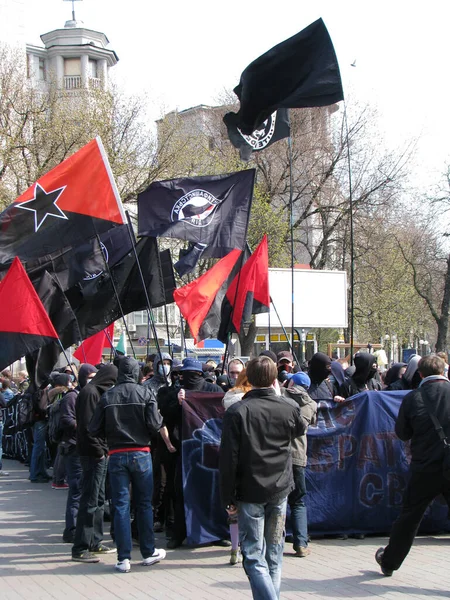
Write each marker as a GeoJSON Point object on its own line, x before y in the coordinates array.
{"type": "Point", "coordinates": [133, 468]}
{"type": "Point", "coordinates": [261, 532]}
{"type": "Point", "coordinates": [37, 463]}
{"type": "Point", "coordinates": [74, 473]}
{"type": "Point", "coordinates": [296, 501]}
{"type": "Point", "coordinates": [89, 527]}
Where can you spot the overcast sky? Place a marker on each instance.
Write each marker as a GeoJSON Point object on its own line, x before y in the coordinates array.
{"type": "Point", "coordinates": [185, 53]}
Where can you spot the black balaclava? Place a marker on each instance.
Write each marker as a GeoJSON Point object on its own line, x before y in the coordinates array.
{"type": "Point", "coordinates": [192, 380]}
{"type": "Point", "coordinates": [365, 367]}
{"type": "Point", "coordinates": [319, 368]}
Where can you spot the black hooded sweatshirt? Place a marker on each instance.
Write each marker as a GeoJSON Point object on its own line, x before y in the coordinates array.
{"type": "Point", "coordinates": [128, 414]}
{"type": "Point", "coordinates": [363, 377]}
{"type": "Point", "coordinates": [88, 398]}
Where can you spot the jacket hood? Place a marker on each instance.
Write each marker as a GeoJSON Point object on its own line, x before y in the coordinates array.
{"type": "Point", "coordinates": [85, 370]}
{"type": "Point", "coordinates": [159, 358]}
{"type": "Point", "coordinates": [233, 360]}
{"type": "Point", "coordinates": [128, 370]}
{"type": "Point", "coordinates": [319, 367]}
{"type": "Point", "coordinates": [364, 363]}
{"type": "Point", "coordinates": [105, 378]}
{"type": "Point", "coordinates": [411, 369]}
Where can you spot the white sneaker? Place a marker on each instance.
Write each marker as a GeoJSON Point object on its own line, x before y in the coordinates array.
{"type": "Point", "coordinates": [158, 554]}
{"type": "Point", "coordinates": [123, 566]}
{"type": "Point", "coordinates": [3, 474]}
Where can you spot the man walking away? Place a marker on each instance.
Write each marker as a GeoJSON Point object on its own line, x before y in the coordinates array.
{"type": "Point", "coordinates": [256, 473]}
{"type": "Point", "coordinates": [128, 416]}
{"type": "Point", "coordinates": [428, 450]}
{"type": "Point", "coordinates": [93, 457]}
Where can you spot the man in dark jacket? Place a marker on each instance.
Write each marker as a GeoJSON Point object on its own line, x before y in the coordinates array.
{"type": "Point", "coordinates": [255, 467]}
{"type": "Point", "coordinates": [68, 450]}
{"type": "Point", "coordinates": [191, 380]}
{"type": "Point", "coordinates": [128, 416]}
{"type": "Point", "coordinates": [427, 480]}
{"type": "Point", "coordinates": [93, 457]}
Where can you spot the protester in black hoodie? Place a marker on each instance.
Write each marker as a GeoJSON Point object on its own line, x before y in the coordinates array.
{"type": "Point", "coordinates": [93, 451]}
{"type": "Point", "coordinates": [363, 379]}
{"type": "Point", "coordinates": [68, 450]}
{"type": "Point", "coordinates": [319, 371]}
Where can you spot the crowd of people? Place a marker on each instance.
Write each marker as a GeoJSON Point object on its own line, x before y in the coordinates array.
{"type": "Point", "coordinates": [113, 432]}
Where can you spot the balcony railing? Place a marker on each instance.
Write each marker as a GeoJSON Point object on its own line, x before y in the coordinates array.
{"type": "Point", "coordinates": [72, 82]}
{"type": "Point", "coordinates": [95, 83]}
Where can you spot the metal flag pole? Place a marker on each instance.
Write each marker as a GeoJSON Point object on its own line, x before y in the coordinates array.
{"type": "Point", "coordinates": [111, 343]}
{"type": "Point", "coordinates": [116, 294]}
{"type": "Point", "coordinates": [352, 249]}
{"type": "Point", "coordinates": [285, 333]}
{"type": "Point", "coordinates": [141, 274]}
{"type": "Point", "coordinates": [291, 223]}
{"type": "Point", "coordinates": [183, 337]}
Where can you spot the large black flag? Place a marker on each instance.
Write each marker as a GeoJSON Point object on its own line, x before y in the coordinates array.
{"type": "Point", "coordinates": [300, 72]}
{"type": "Point", "coordinates": [274, 128]}
{"type": "Point", "coordinates": [212, 211]}
{"type": "Point", "coordinates": [95, 303]}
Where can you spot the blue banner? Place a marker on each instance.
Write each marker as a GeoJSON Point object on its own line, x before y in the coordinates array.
{"type": "Point", "coordinates": [356, 475]}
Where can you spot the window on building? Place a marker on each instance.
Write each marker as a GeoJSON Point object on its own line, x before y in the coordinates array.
{"type": "Point", "coordinates": [72, 66]}
{"type": "Point", "coordinates": [42, 74]}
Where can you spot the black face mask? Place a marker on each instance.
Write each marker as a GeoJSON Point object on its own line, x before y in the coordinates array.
{"type": "Point", "coordinates": [372, 372]}
{"type": "Point", "coordinates": [191, 379]}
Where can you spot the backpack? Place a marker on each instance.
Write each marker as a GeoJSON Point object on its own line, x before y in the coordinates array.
{"type": "Point", "coordinates": [54, 415]}
{"type": "Point", "coordinates": [25, 410]}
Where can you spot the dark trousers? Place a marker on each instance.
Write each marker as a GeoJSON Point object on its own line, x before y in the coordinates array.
{"type": "Point", "coordinates": [74, 473]}
{"type": "Point", "coordinates": [422, 489]}
{"type": "Point", "coordinates": [89, 529]}
{"type": "Point", "coordinates": [179, 525]}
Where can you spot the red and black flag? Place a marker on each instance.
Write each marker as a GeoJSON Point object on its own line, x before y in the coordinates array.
{"type": "Point", "coordinates": [68, 205]}
{"type": "Point", "coordinates": [248, 293]}
{"type": "Point", "coordinates": [200, 301]}
{"type": "Point", "coordinates": [276, 127]}
{"type": "Point", "coordinates": [211, 212]}
{"type": "Point", "coordinates": [24, 324]}
{"type": "Point", "coordinates": [300, 72]}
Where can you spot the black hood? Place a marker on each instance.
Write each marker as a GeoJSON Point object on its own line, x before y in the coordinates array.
{"type": "Point", "coordinates": [364, 366]}
{"type": "Point", "coordinates": [85, 370]}
{"type": "Point", "coordinates": [105, 378]}
{"type": "Point", "coordinates": [128, 370]}
{"type": "Point", "coordinates": [319, 367]}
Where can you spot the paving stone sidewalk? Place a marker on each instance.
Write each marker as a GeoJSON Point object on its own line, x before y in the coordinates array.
{"type": "Point", "coordinates": [35, 564]}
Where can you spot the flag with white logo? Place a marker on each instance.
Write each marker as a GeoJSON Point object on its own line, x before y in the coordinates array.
{"type": "Point", "coordinates": [274, 128]}
{"type": "Point", "coordinates": [68, 205]}
{"type": "Point", "coordinates": [212, 211]}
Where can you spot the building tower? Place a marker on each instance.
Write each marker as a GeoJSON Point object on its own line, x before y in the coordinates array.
{"type": "Point", "coordinates": [75, 58]}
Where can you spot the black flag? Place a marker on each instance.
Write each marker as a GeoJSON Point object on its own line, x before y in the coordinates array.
{"type": "Point", "coordinates": [300, 72]}
{"type": "Point", "coordinates": [274, 128]}
{"type": "Point", "coordinates": [212, 210]}
{"type": "Point", "coordinates": [95, 303]}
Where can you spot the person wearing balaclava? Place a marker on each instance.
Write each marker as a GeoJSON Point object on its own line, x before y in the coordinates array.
{"type": "Point", "coordinates": [170, 406]}
{"type": "Point", "coordinates": [162, 366]}
{"type": "Point", "coordinates": [363, 379]}
{"type": "Point", "coordinates": [319, 370]}
{"type": "Point", "coordinates": [394, 373]}
{"type": "Point", "coordinates": [68, 450]}
{"type": "Point", "coordinates": [93, 453]}
{"type": "Point", "coordinates": [411, 377]}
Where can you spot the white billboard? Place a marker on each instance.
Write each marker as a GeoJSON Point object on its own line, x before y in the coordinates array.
{"type": "Point", "coordinates": [320, 299]}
